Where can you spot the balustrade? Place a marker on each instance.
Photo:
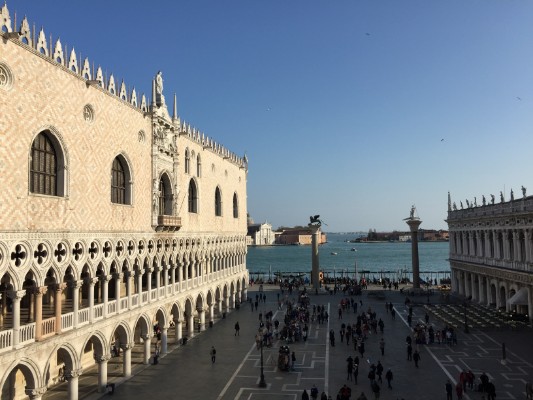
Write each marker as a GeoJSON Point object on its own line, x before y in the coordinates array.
{"type": "Point", "coordinates": [145, 297]}
{"type": "Point", "coordinates": [99, 311]}
{"type": "Point", "coordinates": [49, 326]}
{"type": "Point", "coordinates": [83, 316]}
{"type": "Point", "coordinates": [153, 294]}
{"type": "Point", "coordinates": [6, 340]}
{"type": "Point", "coordinates": [124, 303]}
{"type": "Point", "coordinates": [27, 333]}
{"type": "Point", "coordinates": [67, 321]}
{"type": "Point", "coordinates": [112, 307]}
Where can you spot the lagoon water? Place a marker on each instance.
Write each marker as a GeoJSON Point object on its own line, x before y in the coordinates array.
{"type": "Point", "coordinates": [373, 257]}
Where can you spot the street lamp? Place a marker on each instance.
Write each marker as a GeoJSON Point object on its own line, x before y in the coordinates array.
{"type": "Point", "coordinates": [262, 383]}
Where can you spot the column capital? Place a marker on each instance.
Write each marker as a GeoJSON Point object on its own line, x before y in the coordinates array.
{"type": "Point", "coordinates": [105, 278]}
{"type": "Point", "coordinates": [91, 281]}
{"type": "Point", "coordinates": [127, 346]}
{"type": "Point", "coordinates": [16, 294]}
{"type": "Point", "coordinates": [149, 269]}
{"type": "Point", "coordinates": [75, 373]}
{"type": "Point", "coordinates": [58, 287]}
{"type": "Point", "coordinates": [100, 358]}
{"type": "Point", "coordinates": [140, 272]}
{"type": "Point", "coordinates": [147, 336]}
{"type": "Point", "coordinates": [33, 393]}
{"type": "Point", "coordinates": [75, 284]}
{"type": "Point", "coordinates": [118, 275]}
{"type": "Point", "coordinates": [40, 290]}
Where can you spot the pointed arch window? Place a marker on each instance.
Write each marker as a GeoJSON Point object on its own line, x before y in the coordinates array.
{"type": "Point", "coordinates": [218, 202]}
{"type": "Point", "coordinates": [193, 197]}
{"type": "Point", "coordinates": [47, 166]}
{"type": "Point", "coordinates": [165, 196]}
{"type": "Point", "coordinates": [43, 171]}
{"type": "Point", "coordinates": [120, 181]}
{"type": "Point", "coordinates": [235, 206]}
{"type": "Point", "coordinates": [187, 162]}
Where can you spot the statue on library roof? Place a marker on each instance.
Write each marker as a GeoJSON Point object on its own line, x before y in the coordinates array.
{"type": "Point", "coordinates": [492, 199]}
{"type": "Point", "coordinates": [523, 191]}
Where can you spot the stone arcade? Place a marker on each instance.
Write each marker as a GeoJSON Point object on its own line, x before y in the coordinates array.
{"type": "Point", "coordinates": [115, 217]}
{"type": "Point", "coordinates": [491, 252]}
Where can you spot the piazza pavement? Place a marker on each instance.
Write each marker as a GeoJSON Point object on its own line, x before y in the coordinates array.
{"type": "Point", "coordinates": [186, 372]}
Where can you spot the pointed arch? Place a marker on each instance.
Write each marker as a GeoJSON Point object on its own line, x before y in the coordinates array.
{"type": "Point", "coordinates": [235, 206]}
{"type": "Point", "coordinates": [121, 181]}
{"type": "Point", "coordinates": [218, 202]}
{"type": "Point", "coordinates": [165, 195]}
{"type": "Point", "coordinates": [193, 197]}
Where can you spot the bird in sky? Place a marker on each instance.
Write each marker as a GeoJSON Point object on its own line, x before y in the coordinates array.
{"type": "Point", "coordinates": [442, 140]}
{"type": "Point", "coordinates": [367, 34]}
{"type": "Point", "coordinates": [518, 98]}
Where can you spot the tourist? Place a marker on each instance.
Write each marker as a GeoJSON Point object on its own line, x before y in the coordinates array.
{"type": "Point", "coordinates": [427, 318]}
{"type": "Point", "coordinates": [459, 391]}
{"type": "Point", "coordinates": [293, 360]}
{"type": "Point", "coordinates": [314, 392]}
{"type": "Point", "coordinates": [376, 390]}
{"type": "Point", "coordinates": [332, 338]}
{"type": "Point", "coordinates": [463, 380]}
{"type": "Point", "coordinates": [213, 354]}
{"type": "Point", "coordinates": [237, 328]}
{"type": "Point", "coordinates": [349, 360]}
{"type": "Point", "coordinates": [491, 391]}
{"type": "Point", "coordinates": [416, 357]}
{"type": "Point", "coordinates": [388, 377]}
{"type": "Point", "coordinates": [382, 346]}
{"type": "Point", "coordinates": [449, 390]}
{"type": "Point", "coordinates": [379, 371]}
{"type": "Point", "coordinates": [409, 352]}
{"type": "Point", "coordinates": [305, 395]}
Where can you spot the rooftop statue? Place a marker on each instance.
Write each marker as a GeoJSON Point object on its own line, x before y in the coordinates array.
{"type": "Point", "coordinates": [484, 200]}
{"type": "Point", "coordinates": [491, 199]}
{"type": "Point", "coordinates": [523, 191]}
{"type": "Point", "coordinates": [159, 89]}
{"type": "Point", "coordinates": [454, 206]}
{"type": "Point", "coordinates": [501, 197]}
{"type": "Point", "coordinates": [512, 195]}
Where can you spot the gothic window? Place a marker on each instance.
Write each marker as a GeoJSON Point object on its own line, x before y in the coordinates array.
{"type": "Point", "coordinates": [235, 206]}
{"type": "Point", "coordinates": [165, 196]}
{"type": "Point", "coordinates": [218, 202]}
{"type": "Point", "coordinates": [120, 181]}
{"type": "Point", "coordinates": [187, 162]}
{"type": "Point", "coordinates": [193, 197]}
{"type": "Point", "coordinates": [198, 166]}
{"type": "Point", "coordinates": [43, 171]}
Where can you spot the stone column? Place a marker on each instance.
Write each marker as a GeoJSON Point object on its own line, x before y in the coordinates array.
{"type": "Point", "coordinates": [226, 302]}
{"type": "Point", "coordinates": [75, 286]}
{"type": "Point", "coordinates": [481, 298]}
{"type": "Point", "coordinates": [58, 298]}
{"type": "Point", "coordinates": [104, 281]}
{"type": "Point", "coordinates": [527, 235]}
{"type": "Point", "coordinates": [149, 281]}
{"type": "Point", "coordinates": [158, 280]}
{"type": "Point", "coordinates": [191, 325]}
{"type": "Point", "coordinates": [126, 349]}
{"type": "Point", "coordinates": [16, 296]}
{"type": "Point", "coordinates": [102, 360]}
{"type": "Point", "coordinates": [178, 327]}
{"type": "Point", "coordinates": [129, 288]}
{"type": "Point", "coordinates": [164, 340]}
{"type": "Point", "coordinates": [39, 312]}
{"type": "Point", "coordinates": [219, 304]}
{"type": "Point", "coordinates": [211, 313]}
{"type": "Point", "coordinates": [488, 292]}
{"type": "Point", "coordinates": [414, 223]}
{"type": "Point", "coordinates": [72, 378]}
{"type": "Point", "coordinates": [530, 304]}
{"type": "Point", "coordinates": [165, 278]}
{"type": "Point", "coordinates": [245, 294]}
{"type": "Point", "coordinates": [140, 287]}
{"type": "Point", "coordinates": [118, 282]}
{"type": "Point", "coordinates": [315, 259]}
{"type": "Point", "coordinates": [173, 279]}
{"type": "Point", "coordinates": [91, 282]}
{"type": "Point", "coordinates": [147, 348]}
{"type": "Point", "coordinates": [201, 317]}
{"type": "Point", "coordinates": [35, 393]}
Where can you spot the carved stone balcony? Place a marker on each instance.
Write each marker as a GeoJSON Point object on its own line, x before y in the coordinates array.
{"type": "Point", "coordinates": [168, 223]}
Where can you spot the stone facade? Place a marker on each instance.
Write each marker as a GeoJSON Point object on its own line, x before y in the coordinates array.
{"type": "Point", "coordinates": [145, 224]}
{"type": "Point", "coordinates": [261, 234]}
{"type": "Point", "coordinates": [491, 252]}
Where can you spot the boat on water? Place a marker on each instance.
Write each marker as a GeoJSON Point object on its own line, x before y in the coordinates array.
{"type": "Point", "coordinates": [353, 249]}
{"type": "Point", "coordinates": [333, 253]}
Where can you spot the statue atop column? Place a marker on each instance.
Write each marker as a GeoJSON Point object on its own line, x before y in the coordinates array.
{"type": "Point", "coordinates": [160, 99]}
{"type": "Point", "coordinates": [412, 214]}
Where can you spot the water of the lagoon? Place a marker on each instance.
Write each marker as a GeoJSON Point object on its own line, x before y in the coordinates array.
{"type": "Point", "coordinates": [374, 257]}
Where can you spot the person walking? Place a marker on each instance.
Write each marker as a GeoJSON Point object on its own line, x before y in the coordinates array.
{"type": "Point", "coordinates": [459, 391]}
{"type": "Point", "coordinates": [305, 395]}
{"type": "Point", "coordinates": [332, 338]}
{"type": "Point", "coordinates": [293, 360]}
{"type": "Point", "coordinates": [409, 352]}
{"type": "Point", "coordinates": [388, 377]}
{"type": "Point", "coordinates": [382, 346]}
{"type": "Point", "coordinates": [379, 371]}
{"type": "Point", "coordinates": [416, 357]}
{"type": "Point", "coordinates": [213, 354]}
{"type": "Point", "coordinates": [349, 360]}
{"type": "Point", "coordinates": [237, 328]}
{"type": "Point", "coordinates": [449, 390]}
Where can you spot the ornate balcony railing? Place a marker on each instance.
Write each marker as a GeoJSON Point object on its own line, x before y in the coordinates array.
{"type": "Point", "coordinates": [168, 223]}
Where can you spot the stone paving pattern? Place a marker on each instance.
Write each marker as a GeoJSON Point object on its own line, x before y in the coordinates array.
{"type": "Point", "coordinates": [187, 371]}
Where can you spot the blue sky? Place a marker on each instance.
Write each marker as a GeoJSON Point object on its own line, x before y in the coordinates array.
{"type": "Point", "coordinates": [340, 106]}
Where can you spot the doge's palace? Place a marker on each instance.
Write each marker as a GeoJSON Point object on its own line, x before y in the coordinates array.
{"type": "Point", "coordinates": [122, 227]}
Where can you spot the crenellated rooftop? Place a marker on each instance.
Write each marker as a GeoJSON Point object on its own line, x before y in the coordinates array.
{"type": "Point", "coordinates": [57, 53]}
